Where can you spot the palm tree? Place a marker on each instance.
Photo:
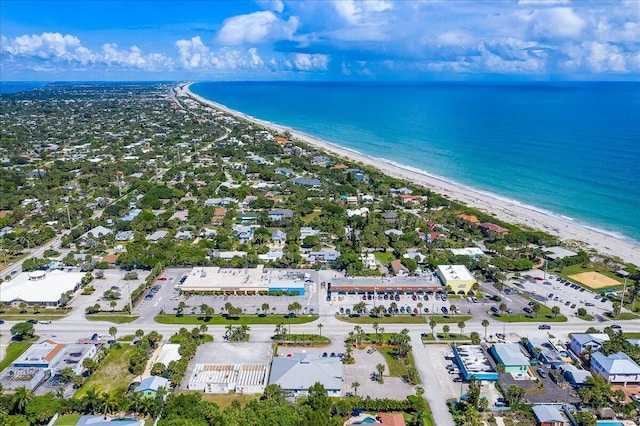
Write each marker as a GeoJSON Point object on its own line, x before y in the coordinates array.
{"type": "Point", "coordinates": [433, 323]}
{"type": "Point", "coordinates": [320, 328]}
{"type": "Point", "coordinates": [461, 326]}
{"type": "Point", "coordinates": [503, 307]}
{"type": "Point", "coordinates": [91, 400]}
{"type": "Point", "coordinates": [355, 386]}
{"type": "Point", "coordinates": [112, 332]}
{"type": "Point", "coordinates": [555, 310]}
{"type": "Point", "coordinates": [393, 306]}
{"type": "Point", "coordinates": [380, 368]}
{"type": "Point", "coordinates": [536, 309]}
{"type": "Point", "coordinates": [21, 399]}
{"type": "Point", "coordinates": [113, 304]}
{"type": "Point", "coordinates": [36, 308]}
{"type": "Point", "coordinates": [135, 402]}
{"type": "Point", "coordinates": [445, 330]}
{"type": "Point", "coordinates": [420, 305]}
{"type": "Point", "coordinates": [485, 324]}
{"type": "Point", "coordinates": [139, 333]}
{"type": "Point", "coordinates": [23, 307]}
{"type": "Point", "coordinates": [265, 307]}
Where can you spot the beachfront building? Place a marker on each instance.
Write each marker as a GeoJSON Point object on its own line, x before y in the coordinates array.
{"type": "Point", "coordinates": [295, 374]}
{"type": "Point", "coordinates": [44, 288]}
{"type": "Point", "coordinates": [510, 355]}
{"type": "Point", "coordinates": [474, 362]}
{"type": "Point", "coordinates": [456, 277]}
{"type": "Point", "coordinates": [616, 368]}
{"type": "Point", "coordinates": [246, 281]}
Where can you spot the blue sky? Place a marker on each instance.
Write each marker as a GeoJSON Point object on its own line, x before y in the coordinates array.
{"type": "Point", "coordinates": [320, 40]}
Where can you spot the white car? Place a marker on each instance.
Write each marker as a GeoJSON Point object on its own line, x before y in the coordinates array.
{"type": "Point", "coordinates": [635, 397]}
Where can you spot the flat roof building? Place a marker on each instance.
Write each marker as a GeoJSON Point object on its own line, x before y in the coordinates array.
{"type": "Point", "coordinates": [456, 277]}
{"type": "Point", "coordinates": [44, 288]}
{"type": "Point", "coordinates": [474, 362]}
{"type": "Point", "coordinates": [467, 251]}
{"type": "Point", "coordinates": [511, 356]}
{"type": "Point", "coordinates": [558, 252]}
{"type": "Point", "coordinates": [356, 285]}
{"type": "Point", "coordinates": [547, 352]}
{"type": "Point", "coordinates": [225, 378]}
{"type": "Point", "coordinates": [256, 280]}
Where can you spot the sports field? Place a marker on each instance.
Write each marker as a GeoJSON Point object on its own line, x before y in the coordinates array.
{"type": "Point", "coordinates": [594, 280]}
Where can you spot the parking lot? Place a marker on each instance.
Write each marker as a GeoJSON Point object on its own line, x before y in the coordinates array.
{"type": "Point", "coordinates": [404, 302]}
{"type": "Point", "coordinates": [167, 298]}
{"type": "Point", "coordinates": [555, 291]}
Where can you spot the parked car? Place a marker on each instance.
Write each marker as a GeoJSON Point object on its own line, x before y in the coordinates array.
{"type": "Point", "coordinates": [544, 327]}
{"type": "Point", "coordinates": [527, 310]}
{"type": "Point", "coordinates": [615, 326]}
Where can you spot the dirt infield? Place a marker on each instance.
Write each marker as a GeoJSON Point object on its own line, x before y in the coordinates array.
{"type": "Point", "coordinates": [594, 280]}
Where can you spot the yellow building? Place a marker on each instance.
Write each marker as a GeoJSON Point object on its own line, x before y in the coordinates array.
{"type": "Point", "coordinates": [457, 277]}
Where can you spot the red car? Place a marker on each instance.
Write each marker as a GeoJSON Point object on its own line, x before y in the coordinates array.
{"type": "Point", "coordinates": [162, 279]}
{"type": "Point", "coordinates": [539, 278]}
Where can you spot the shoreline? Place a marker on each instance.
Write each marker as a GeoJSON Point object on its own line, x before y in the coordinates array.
{"type": "Point", "coordinates": [512, 211]}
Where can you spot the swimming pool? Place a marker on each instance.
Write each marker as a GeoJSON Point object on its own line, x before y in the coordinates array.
{"type": "Point", "coordinates": [366, 421]}
{"type": "Point", "coordinates": [609, 424]}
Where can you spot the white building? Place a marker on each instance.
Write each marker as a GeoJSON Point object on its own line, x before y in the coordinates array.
{"type": "Point", "coordinates": [296, 374]}
{"type": "Point", "coordinates": [44, 288]}
{"type": "Point", "coordinates": [225, 378]}
{"type": "Point", "coordinates": [615, 368]}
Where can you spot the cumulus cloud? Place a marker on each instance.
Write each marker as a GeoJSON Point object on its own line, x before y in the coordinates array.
{"type": "Point", "coordinates": [274, 5]}
{"type": "Point", "coordinates": [553, 23]}
{"type": "Point", "coordinates": [57, 48]}
{"type": "Point", "coordinates": [256, 28]}
{"type": "Point", "coordinates": [307, 62]}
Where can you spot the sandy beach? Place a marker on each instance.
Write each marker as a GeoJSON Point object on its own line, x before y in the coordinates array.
{"type": "Point", "coordinates": [507, 210]}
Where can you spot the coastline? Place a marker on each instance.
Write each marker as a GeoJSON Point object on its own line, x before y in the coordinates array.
{"type": "Point", "coordinates": [511, 211]}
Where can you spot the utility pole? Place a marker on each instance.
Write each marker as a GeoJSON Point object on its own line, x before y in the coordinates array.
{"type": "Point", "coordinates": [624, 290]}
{"type": "Point", "coordinates": [130, 301]}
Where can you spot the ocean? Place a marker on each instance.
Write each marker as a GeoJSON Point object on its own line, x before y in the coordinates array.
{"type": "Point", "coordinates": [570, 148]}
{"type": "Point", "coordinates": [7, 87]}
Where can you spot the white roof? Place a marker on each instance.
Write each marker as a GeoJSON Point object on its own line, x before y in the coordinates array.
{"type": "Point", "coordinates": [47, 289]}
{"type": "Point", "coordinates": [168, 353]}
{"type": "Point", "coordinates": [455, 272]}
{"type": "Point", "coordinates": [97, 231]}
{"type": "Point", "coordinates": [301, 371]}
{"type": "Point", "coordinates": [467, 251]}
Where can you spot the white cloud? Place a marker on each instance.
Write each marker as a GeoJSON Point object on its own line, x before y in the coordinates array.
{"type": "Point", "coordinates": [255, 28]}
{"type": "Point", "coordinates": [307, 62]}
{"type": "Point", "coordinates": [556, 22]}
{"type": "Point", "coordinates": [355, 11]}
{"type": "Point", "coordinates": [192, 53]}
{"type": "Point", "coordinates": [274, 5]}
{"type": "Point", "coordinates": [58, 48]}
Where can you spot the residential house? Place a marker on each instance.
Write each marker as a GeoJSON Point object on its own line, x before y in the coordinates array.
{"type": "Point", "coordinates": [390, 217]}
{"type": "Point", "coordinates": [157, 236]}
{"type": "Point", "coordinates": [369, 260]}
{"type": "Point", "coordinates": [307, 231]}
{"type": "Point", "coordinates": [297, 373]}
{"type": "Point", "coordinates": [398, 268]}
{"type": "Point", "coordinates": [320, 160]}
{"type": "Point", "coordinates": [469, 218]}
{"type": "Point", "coordinates": [243, 232]}
{"type": "Point", "coordinates": [98, 232]}
{"type": "Point", "coordinates": [544, 351]}
{"type": "Point", "coordinates": [358, 175]}
{"type": "Point", "coordinates": [510, 355]}
{"type": "Point", "coordinates": [149, 387]}
{"type": "Point", "coordinates": [218, 215]}
{"type": "Point", "coordinates": [616, 368]}
{"type": "Point", "coordinates": [574, 375]}
{"type": "Point", "coordinates": [395, 232]}
{"type": "Point", "coordinates": [488, 226]}
{"type": "Point", "coordinates": [323, 256]}
{"type": "Point", "coordinates": [279, 214]}
{"type": "Point", "coordinates": [363, 211]}
{"type": "Point", "coordinates": [587, 343]}
{"type": "Point", "coordinates": [283, 171]}
{"type": "Point", "coordinates": [124, 236]}
{"type": "Point", "coordinates": [132, 214]}
{"type": "Point", "coordinates": [548, 415]}
{"type": "Point", "coordinates": [184, 235]}
{"type": "Point", "coordinates": [313, 183]}
{"type": "Point", "coordinates": [412, 199]}
{"type": "Point", "coordinates": [278, 236]}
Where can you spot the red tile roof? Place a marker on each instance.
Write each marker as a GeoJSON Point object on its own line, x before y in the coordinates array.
{"type": "Point", "coordinates": [389, 419]}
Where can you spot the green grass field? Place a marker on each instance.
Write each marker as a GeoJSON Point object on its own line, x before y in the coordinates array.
{"type": "Point", "coordinates": [115, 318]}
{"type": "Point", "coordinates": [397, 319]}
{"type": "Point", "coordinates": [113, 373]}
{"type": "Point", "coordinates": [14, 350]}
{"type": "Point", "coordinates": [242, 319]}
{"type": "Point", "coordinates": [68, 419]}
{"type": "Point", "coordinates": [396, 368]}
{"type": "Point", "coordinates": [450, 319]}
{"type": "Point", "coordinates": [384, 257]}
{"type": "Point", "coordinates": [576, 269]}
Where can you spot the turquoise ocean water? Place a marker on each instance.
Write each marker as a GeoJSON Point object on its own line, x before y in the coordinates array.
{"type": "Point", "coordinates": [572, 149]}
